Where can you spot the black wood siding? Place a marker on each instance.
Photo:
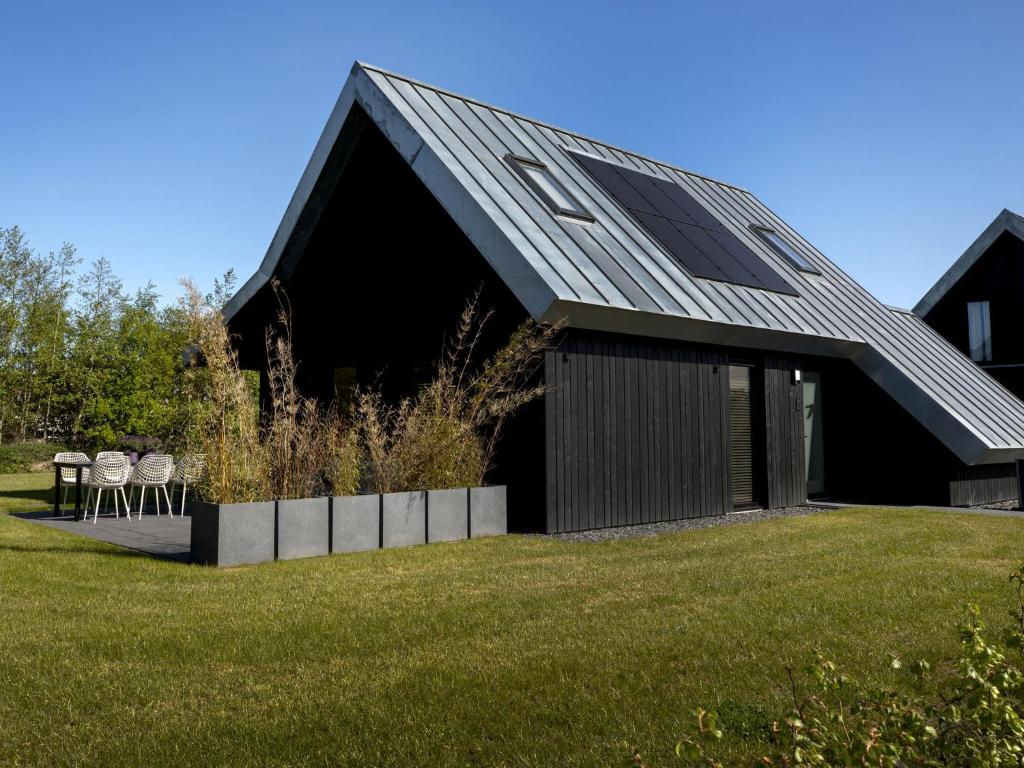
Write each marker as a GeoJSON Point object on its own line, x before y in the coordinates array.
{"type": "Point", "coordinates": [982, 484]}
{"type": "Point", "coordinates": [637, 432]}
{"type": "Point", "coordinates": [786, 483]}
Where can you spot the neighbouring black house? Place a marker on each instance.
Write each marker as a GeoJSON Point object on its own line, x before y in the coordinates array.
{"type": "Point", "coordinates": [713, 360]}
{"type": "Point", "coordinates": [977, 304]}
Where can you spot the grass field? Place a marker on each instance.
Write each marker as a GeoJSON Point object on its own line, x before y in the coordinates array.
{"type": "Point", "coordinates": [501, 652]}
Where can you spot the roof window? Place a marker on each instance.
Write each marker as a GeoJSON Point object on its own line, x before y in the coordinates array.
{"type": "Point", "coordinates": [784, 249]}
{"type": "Point", "coordinates": [539, 178]}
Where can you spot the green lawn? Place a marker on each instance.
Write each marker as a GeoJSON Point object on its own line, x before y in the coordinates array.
{"type": "Point", "coordinates": [27, 492]}
{"type": "Point", "coordinates": [501, 652]}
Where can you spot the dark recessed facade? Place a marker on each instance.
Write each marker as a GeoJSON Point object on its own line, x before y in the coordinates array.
{"type": "Point", "coordinates": [976, 304]}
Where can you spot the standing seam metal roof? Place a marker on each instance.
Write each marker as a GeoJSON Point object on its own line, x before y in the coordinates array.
{"type": "Point", "coordinates": [612, 275]}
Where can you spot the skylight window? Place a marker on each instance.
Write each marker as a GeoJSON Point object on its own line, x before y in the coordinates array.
{"type": "Point", "coordinates": [784, 249]}
{"type": "Point", "coordinates": [540, 179]}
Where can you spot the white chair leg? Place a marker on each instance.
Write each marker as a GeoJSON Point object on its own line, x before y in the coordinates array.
{"type": "Point", "coordinates": [127, 506]}
{"type": "Point", "coordinates": [96, 512]}
{"type": "Point", "coordinates": [142, 499]}
{"type": "Point", "coordinates": [88, 500]}
{"type": "Point", "coordinates": [117, 510]}
{"type": "Point", "coordinates": [156, 497]}
{"type": "Point", "coordinates": [170, 509]}
{"type": "Point", "coordinates": [184, 490]}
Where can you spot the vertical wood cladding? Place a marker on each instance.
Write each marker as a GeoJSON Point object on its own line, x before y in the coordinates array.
{"type": "Point", "coordinates": [982, 484]}
{"type": "Point", "coordinates": [638, 432]}
{"type": "Point", "coordinates": [784, 431]}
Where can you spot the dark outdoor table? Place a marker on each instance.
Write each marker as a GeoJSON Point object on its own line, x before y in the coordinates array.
{"type": "Point", "coordinates": [78, 466]}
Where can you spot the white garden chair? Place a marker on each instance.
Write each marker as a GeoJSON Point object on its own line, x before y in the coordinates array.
{"type": "Point", "coordinates": [152, 471]}
{"type": "Point", "coordinates": [188, 471]}
{"type": "Point", "coordinates": [67, 474]}
{"type": "Point", "coordinates": [104, 455]}
{"type": "Point", "coordinates": [110, 472]}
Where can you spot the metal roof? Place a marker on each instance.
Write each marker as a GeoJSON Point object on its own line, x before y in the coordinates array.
{"type": "Point", "coordinates": [1006, 221]}
{"type": "Point", "coordinates": [611, 275]}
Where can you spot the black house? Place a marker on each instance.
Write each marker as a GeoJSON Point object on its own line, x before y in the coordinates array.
{"type": "Point", "coordinates": [977, 304]}
{"type": "Point", "coordinates": [713, 360]}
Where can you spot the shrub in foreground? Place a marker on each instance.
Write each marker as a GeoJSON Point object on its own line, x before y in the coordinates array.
{"type": "Point", "coordinates": [223, 410]}
{"type": "Point", "coordinates": [312, 450]}
{"type": "Point", "coordinates": [446, 436]}
{"type": "Point", "coordinates": [297, 449]}
{"type": "Point", "coordinates": [973, 715]}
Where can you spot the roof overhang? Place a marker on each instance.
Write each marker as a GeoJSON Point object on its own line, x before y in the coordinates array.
{"type": "Point", "coordinates": [955, 434]}
{"type": "Point", "coordinates": [1006, 221]}
{"type": "Point", "coordinates": [676, 328]}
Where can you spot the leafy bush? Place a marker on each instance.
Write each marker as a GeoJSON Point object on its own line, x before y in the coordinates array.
{"type": "Point", "coordinates": [446, 436]}
{"type": "Point", "coordinates": [973, 715]}
{"type": "Point", "coordinates": [410, 446]}
{"type": "Point", "coordinates": [27, 457]}
{"type": "Point", "coordinates": [223, 408]}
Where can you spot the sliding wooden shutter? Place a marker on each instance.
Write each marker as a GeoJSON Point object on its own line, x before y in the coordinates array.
{"type": "Point", "coordinates": [740, 437]}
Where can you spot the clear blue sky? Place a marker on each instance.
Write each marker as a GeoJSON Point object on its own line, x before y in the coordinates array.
{"type": "Point", "coordinates": [169, 136]}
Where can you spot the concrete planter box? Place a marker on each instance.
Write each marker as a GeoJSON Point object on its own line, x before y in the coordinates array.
{"type": "Point", "coordinates": [233, 534]}
{"type": "Point", "coordinates": [403, 519]}
{"type": "Point", "coordinates": [259, 532]}
{"type": "Point", "coordinates": [487, 513]}
{"type": "Point", "coordinates": [303, 528]}
{"type": "Point", "coordinates": [448, 515]}
{"type": "Point", "coordinates": [355, 523]}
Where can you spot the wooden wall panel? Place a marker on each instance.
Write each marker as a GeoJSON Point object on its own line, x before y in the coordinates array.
{"type": "Point", "coordinates": [982, 484]}
{"type": "Point", "coordinates": [637, 432]}
{"type": "Point", "coordinates": [786, 483]}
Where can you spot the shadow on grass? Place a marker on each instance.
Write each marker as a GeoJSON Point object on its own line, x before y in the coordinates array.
{"type": "Point", "coordinates": [35, 494]}
{"type": "Point", "coordinates": [44, 514]}
{"type": "Point", "coordinates": [88, 550]}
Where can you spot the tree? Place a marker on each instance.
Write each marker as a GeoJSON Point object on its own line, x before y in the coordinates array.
{"type": "Point", "coordinates": [41, 336]}
{"type": "Point", "coordinates": [53, 362]}
{"type": "Point", "coordinates": [15, 256]}
{"type": "Point", "coordinates": [94, 353]}
{"type": "Point", "coordinates": [90, 365]}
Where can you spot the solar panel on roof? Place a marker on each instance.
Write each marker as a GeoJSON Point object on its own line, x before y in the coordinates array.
{"type": "Point", "coordinates": [684, 227]}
